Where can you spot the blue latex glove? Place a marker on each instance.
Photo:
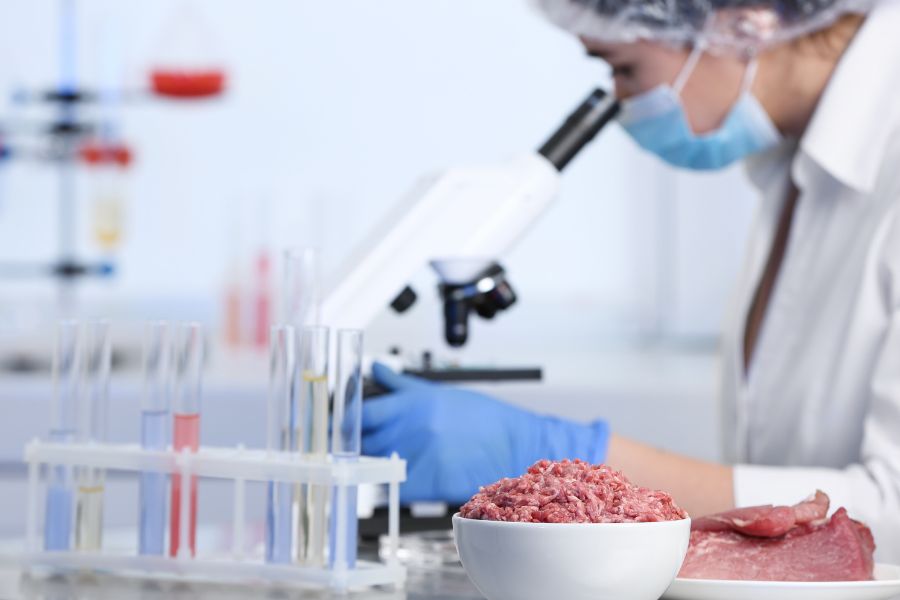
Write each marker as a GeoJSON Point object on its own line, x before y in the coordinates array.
{"type": "Point", "coordinates": [456, 440]}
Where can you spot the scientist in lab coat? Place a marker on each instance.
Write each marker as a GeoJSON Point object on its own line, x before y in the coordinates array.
{"type": "Point", "coordinates": [807, 93]}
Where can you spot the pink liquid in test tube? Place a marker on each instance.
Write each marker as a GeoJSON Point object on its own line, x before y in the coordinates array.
{"type": "Point", "coordinates": [186, 432]}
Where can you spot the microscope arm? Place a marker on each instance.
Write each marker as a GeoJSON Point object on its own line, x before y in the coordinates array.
{"type": "Point", "coordinates": [465, 216]}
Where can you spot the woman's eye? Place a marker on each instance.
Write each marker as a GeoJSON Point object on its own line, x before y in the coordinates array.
{"type": "Point", "coordinates": [623, 71]}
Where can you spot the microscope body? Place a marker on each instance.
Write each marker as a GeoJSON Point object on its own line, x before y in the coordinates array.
{"type": "Point", "coordinates": [458, 221]}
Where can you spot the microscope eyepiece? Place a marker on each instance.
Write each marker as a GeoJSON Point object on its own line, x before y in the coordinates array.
{"type": "Point", "coordinates": [580, 128]}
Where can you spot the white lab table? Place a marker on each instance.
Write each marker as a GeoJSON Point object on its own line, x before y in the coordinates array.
{"type": "Point", "coordinates": [447, 584]}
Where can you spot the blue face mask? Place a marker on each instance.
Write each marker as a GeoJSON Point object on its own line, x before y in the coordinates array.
{"type": "Point", "coordinates": [657, 121]}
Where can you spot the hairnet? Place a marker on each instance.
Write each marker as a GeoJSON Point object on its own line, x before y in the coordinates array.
{"type": "Point", "coordinates": [725, 25]}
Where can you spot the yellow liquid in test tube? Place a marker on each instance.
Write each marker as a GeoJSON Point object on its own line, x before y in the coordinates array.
{"type": "Point", "coordinates": [89, 510]}
{"type": "Point", "coordinates": [317, 503]}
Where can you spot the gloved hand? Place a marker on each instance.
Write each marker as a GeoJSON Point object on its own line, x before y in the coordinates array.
{"type": "Point", "coordinates": [455, 440]}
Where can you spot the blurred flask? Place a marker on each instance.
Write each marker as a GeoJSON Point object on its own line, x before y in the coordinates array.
{"type": "Point", "coordinates": [233, 288]}
{"type": "Point", "coordinates": [108, 163]}
{"type": "Point", "coordinates": [187, 63]}
{"type": "Point", "coordinates": [262, 298]}
{"type": "Point", "coordinates": [232, 305]}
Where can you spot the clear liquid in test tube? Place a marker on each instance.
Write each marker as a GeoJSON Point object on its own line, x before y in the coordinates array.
{"type": "Point", "coordinates": [63, 410]}
{"type": "Point", "coordinates": [312, 410]}
{"type": "Point", "coordinates": [186, 433]}
{"type": "Point", "coordinates": [93, 428]}
{"type": "Point", "coordinates": [346, 445]}
{"type": "Point", "coordinates": [155, 421]}
{"type": "Point", "coordinates": [279, 530]}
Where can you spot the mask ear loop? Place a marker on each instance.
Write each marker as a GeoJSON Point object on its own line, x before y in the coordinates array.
{"type": "Point", "coordinates": [749, 75]}
{"type": "Point", "coordinates": [693, 58]}
{"type": "Point", "coordinates": [688, 68]}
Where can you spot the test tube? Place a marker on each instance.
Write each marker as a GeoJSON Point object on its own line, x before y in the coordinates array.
{"type": "Point", "coordinates": [346, 445]}
{"type": "Point", "coordinates": [280, 493]}
{"type": "Point", "coordinates": [301, 287]}
{"type": "Point", "coordinates": [186, 430]}
{"type": "Point", "coordinates": [155, 402]}
{"type": "Point", "coordinates": [93, 418]}
{"type": "Point", "coordinates": [312, 406]}
{"type": "Point", "coordinates": [58, 512]}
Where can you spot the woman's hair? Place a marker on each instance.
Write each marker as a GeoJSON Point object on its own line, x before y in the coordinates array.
{"type": "Point", "coordinates": [833, 40]}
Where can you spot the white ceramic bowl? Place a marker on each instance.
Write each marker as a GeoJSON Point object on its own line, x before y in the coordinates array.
{"type": "Point", "coordinates": [580, 561]}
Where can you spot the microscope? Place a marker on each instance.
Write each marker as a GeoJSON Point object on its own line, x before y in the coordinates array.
{"type": "Point", "coordinates": [460, 221]}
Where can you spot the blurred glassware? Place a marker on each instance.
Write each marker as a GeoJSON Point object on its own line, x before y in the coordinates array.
{"type": "Point", "coordinates": [187, 62]}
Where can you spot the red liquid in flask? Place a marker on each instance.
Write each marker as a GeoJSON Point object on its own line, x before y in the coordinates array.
{"type": "Point", "coordinates": [186, 434]}
{"type": "Point", "coordinates": [188, 83]}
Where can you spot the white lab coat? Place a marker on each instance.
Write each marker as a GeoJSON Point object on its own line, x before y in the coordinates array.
{"type": "Point", "coordinates": [820, 407]}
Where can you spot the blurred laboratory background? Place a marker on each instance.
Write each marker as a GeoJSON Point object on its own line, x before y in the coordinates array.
{"type": "Point", "coordinates": [131, 192]}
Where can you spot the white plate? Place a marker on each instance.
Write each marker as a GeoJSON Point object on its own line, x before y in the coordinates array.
{"type": "Point", "coordinates": [885, 587]}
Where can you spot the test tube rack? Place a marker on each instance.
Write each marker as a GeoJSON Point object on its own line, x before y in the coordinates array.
{"type": "Point", "coordinates": [238, 465]}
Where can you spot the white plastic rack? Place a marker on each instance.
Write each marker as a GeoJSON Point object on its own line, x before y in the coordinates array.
{"type": "Point", "coordinates": [239, 465]}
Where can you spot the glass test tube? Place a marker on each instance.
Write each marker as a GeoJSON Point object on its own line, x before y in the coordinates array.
{"type": "Point", "coordinates": [155, 404]}
{"type": "Point", "coordinates": [346, 445]}
{"type": "Point", "coordinates": [312, 411]}
{"type": "Point", "coordinates": [93, 425]}
{"type": "Point", "coordinates": [66, 359]}
{"type": "Point", "coordinates": [300, 308]}
{"type": "Point", "coordinates": [301, 287]}
{"type": "Point", "coordinates": [280, 494]}
{"type": "Point", "coordinates": [186, 429]}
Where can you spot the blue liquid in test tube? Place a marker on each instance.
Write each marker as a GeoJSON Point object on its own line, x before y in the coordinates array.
{"type": "Point", "coordinates": [346, 443]}
{"type": "Point", "coordinates": [344, 499]}
{"type": "Point", "coordinates": [155, 420]}
{"type": "Point", "coordinates": [280, 499]}
{"type": "Point", "coordinates": [66, 362]}
{"type": "Point", "coordinates": [154, 436]}
{"type": "Point", "coordinates": [278, 522]}
{"type": "Point", "coordinates": [58, 519]}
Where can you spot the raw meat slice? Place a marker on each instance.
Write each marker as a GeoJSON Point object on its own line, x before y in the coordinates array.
{"type": "Point", "coordinates": [759, 521]}
{"type": "Point", "coordinates": [839, 549]}
{"type": "Point", "coordinates": [812, 510]}
{"type": "Point", "coordinates": [768, 520]}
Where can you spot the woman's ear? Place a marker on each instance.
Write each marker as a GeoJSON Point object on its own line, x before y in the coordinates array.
{"type": "Point", "coordinates": [830, 43]}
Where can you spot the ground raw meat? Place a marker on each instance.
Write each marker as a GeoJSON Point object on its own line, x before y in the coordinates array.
{"type": "Point", "coordinates": [570, 492]}
{"type": "Point", "coordinates": [746, 544]}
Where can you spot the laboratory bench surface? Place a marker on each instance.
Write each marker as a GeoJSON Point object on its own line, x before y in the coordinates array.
{"type": "Point", "coordinates": [449, 583]}
{"type": "Point", "coordinates": [438, 580]}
